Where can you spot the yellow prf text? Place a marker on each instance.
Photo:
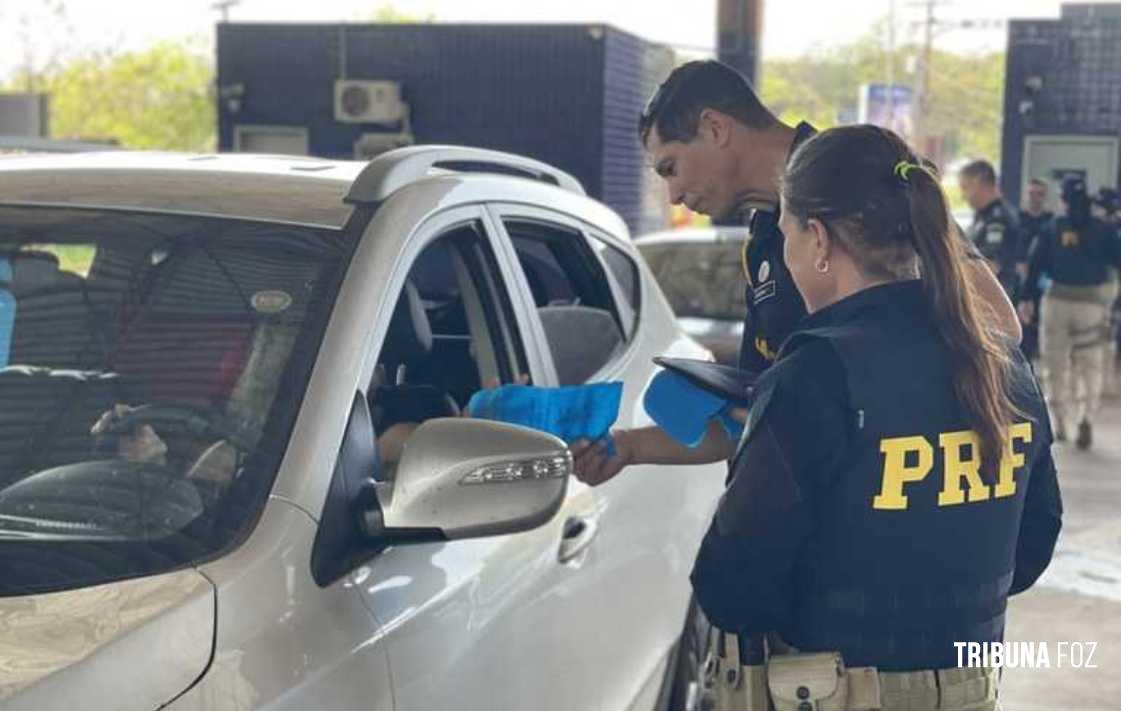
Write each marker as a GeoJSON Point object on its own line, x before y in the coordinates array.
{"type": "Point", "coordinates": [961, 470]}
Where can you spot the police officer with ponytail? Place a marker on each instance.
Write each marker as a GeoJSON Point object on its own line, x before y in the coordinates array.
{"type": "Point", "coordinates": [1076, 254]}
{"type": "Point", "coordinates": [894, 483]}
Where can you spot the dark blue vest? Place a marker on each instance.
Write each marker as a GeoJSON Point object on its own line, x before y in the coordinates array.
{"type": "Point", "coordinates": [911, 552]}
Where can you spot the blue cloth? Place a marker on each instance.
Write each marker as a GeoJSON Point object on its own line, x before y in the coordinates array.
{"type": "Point", "coordinates": [7, 311]}
{"type": "Point", "coordinates": [571, 413]}
{"type": "Point", "coordinates": [684, 410]}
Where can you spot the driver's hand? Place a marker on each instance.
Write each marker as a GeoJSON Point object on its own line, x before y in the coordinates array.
{"type": "Point", "coordinates": [494, 384]}
{"type": "Point", "coordinates": [140, 445]}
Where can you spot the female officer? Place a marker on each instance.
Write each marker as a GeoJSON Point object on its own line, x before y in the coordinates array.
{"type": "Point", "coordinates": [1076, 253]}
{"type": "Point", "coordinates": [894, 484]}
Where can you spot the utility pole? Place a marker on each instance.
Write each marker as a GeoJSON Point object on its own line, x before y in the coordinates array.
{"type": "Point", "coordinates": [891, 65]}
{"type": "Point", "coordinates": [739, 32]}
{"type": "Point", "coordinates": [224, 6]}
{"type": "Point", "coordinates": [922, 78]}
{"type": "Point", "coordinates": [930, 27]}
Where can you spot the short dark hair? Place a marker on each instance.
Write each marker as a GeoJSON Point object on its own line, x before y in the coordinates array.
{"type": "Point", "coordinates": [981, 169]}
{"type": "Point", "coordinates": [675, 108]}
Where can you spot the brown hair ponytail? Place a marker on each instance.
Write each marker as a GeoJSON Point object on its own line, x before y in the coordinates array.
{"type": "Point", "coordinates": [980, 360]}
{"type": "Point", "coordinates": [886, 209]}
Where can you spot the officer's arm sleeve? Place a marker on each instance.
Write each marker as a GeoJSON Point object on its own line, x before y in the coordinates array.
{"type": "Point", "coordinates": [1038, 264]}
{"type": "Point", "coordinates": [750, 357]}
{"type": "Point", "coordinates": [1113, 235]}
{"type": "Point", "coordinates": [743, 577]}
{"type": "Point", "coordinates": [1023, 241]}
{"type": "Point", "coordinates": [1039, 527]}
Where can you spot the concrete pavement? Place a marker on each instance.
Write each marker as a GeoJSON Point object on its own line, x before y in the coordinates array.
{"type": "Point", "coordinates": [1078, 599]}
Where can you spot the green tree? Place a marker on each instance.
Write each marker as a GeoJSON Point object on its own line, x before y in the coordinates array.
{"type": "Point", "coordinates": [965, 102]}
{"type": "Point", "coordinates": [156, 98]}
{"type": "Point", "coordinates": [390, 14]}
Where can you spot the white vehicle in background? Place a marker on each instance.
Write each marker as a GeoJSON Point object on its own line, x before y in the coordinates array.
{"type": "Point", "coordinates": [700, 271]}
{"type": "Point", "coordinates": [204, 498]}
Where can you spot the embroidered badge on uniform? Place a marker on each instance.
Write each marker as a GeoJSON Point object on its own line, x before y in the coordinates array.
{"type": "Point", "coordinates": [764, 271]}
{"type": "Point", "coordinates": [994, 234]}
{"type": "Point", "coordinates": [1070, 239]}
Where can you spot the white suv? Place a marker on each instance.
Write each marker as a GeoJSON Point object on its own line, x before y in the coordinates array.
{"type": "Point", "coordinates": [231, 475]}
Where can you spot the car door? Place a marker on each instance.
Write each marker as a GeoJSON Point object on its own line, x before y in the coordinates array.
{"type": "Point", "coordinates": [651, 518]}
{"type": "Point", "coordinates": [491, 623]}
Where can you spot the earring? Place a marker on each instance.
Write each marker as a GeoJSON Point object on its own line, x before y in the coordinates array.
{"type": "Point", "coordinates": [822, 267]}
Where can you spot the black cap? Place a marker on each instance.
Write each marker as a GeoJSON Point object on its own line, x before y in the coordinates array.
{"type": "Point", "coordinates": [1073, 188]}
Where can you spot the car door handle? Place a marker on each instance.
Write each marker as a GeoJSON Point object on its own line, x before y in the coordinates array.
{"type": "Point", "coordinates": [579, 532]}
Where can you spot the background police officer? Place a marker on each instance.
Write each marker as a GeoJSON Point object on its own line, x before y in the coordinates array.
{"type": "Point", "coordinates": [995, 230]}
{"type": "Point", "coordinates": [1077, 254]}
{"type": "Point", "coordinates": [1034, 218]}
{"type": "Point", "coordinates": [895, 482]}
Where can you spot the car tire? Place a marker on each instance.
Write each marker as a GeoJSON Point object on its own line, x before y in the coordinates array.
{"type": "Point", "coordinates": [685, 676]}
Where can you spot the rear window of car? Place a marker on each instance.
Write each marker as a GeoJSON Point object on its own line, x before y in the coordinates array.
{"type": "Point", "coordinates": [701, 280]}
{"type": "Point", "coordinates": [150, 370]}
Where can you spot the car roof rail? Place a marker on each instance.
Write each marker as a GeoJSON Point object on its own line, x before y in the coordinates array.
{"type": "Point", "coordinates": [397, 168]}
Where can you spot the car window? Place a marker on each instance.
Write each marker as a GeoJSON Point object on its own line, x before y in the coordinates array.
{"type": "Point", "coordinates": [151, 373]}
{"type": "Point", "coordinates": [701, 280]}
{"type": "Point", "coordinates": [452, 332]}
{"type": "Point", "coordinates": [573, 297]}
{"type": "Point", "coordinates": [625, 272]}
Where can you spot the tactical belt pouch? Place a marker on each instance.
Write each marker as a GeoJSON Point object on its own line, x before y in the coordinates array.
{"type": "Point", "coordinates": [730, 685]}
{"type": "Point", "coordinates": [808, 682]}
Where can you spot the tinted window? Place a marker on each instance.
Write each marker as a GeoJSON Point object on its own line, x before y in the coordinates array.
{"type": "Point", "coordinates": [626, 276]}
{"type": "Point", "coordinates": [152, 375]}
{"type": "Point", "coordinates": [702, 280]}
{"type": "Point", "coordinates": [573, 298]}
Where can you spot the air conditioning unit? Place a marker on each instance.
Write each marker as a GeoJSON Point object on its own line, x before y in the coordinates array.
{"type": "Point", "coordinates": [364, 101]}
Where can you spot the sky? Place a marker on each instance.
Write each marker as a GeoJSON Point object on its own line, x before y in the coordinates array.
{"type": "Point", "coordinates": [26, 29]}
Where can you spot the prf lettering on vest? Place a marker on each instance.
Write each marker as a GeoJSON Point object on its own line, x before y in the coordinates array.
{"type": "Point", "coordinates": [910, 459]}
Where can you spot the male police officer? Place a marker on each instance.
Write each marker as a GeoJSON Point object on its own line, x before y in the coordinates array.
{"type": "Point", "coordinates": [722, 153]}
{"type": "Point", "coordinates": [996, 229]}
{"type": "Point", "coordinates": [1034, 218]}
{"type": "Point", "coordinates": [1077, 253]}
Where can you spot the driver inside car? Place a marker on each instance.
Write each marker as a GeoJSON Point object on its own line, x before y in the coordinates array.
{"type": "Point", "coordinates": [214, 457]}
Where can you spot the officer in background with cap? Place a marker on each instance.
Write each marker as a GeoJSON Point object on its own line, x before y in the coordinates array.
{"type": "Point", "coordinates": [995, 230]}
{"type": "Point", "coordinates": [1077, 254]}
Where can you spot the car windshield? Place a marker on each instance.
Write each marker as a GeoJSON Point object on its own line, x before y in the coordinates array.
{"type": "Point", "coordinates": [701, 280]}
{"type": "Point", "coordinates": [151, 367]}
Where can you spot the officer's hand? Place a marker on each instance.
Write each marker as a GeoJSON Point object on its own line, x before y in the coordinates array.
{"type": "Point", "coordinates": [591, 463]}
{"type": "Point", "coordinates": [1027, 312]}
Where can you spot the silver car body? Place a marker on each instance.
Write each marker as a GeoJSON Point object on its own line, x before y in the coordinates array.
{"type": "Point", "coordinates": [530, 620]}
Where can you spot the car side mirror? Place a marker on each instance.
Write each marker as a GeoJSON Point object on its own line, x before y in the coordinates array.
{"type": "Point", "coordinates": [468, 478]}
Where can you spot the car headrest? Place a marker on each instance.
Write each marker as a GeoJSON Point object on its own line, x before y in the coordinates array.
{"type": "Point", "coordinates": [33, 270]}
{"type": "Point", "coordinates": [410, 333]}
{"type": "Point", "coordinates": [578, 358]}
